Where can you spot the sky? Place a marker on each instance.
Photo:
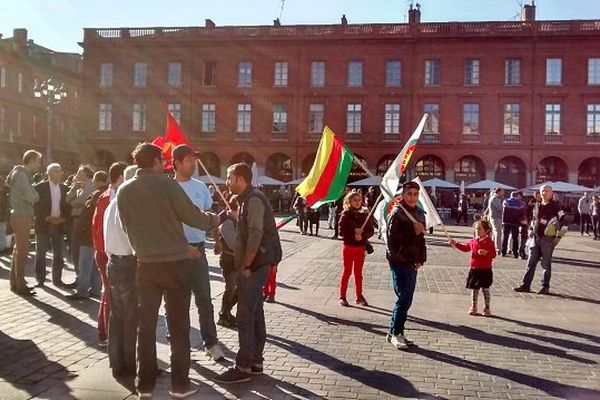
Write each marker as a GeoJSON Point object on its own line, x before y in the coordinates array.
{"type": "Point", "coordinates": [58, 24]}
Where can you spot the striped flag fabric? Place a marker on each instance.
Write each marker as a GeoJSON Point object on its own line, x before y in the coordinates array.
{"type": "Point", "coordinates": [327, 178]}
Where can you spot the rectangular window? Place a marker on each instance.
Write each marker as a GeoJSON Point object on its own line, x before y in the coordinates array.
{"type": "Point", "coordinates": [139, 117]}
{"type": "Point", "coordinates": [470, 118]}
{"type": "Point", "coordinates": [245, 74]}
{"type": "Point", "coordinates": [105, 117]}
{"type": "Point", "coordinates": [174, 74]}
{"type": "Point", "coordinates": [244, 118]}
{"type": "Point", "coordinates": [593, 119]}
{"type": "Point", "coordinates": [553, 71]}
{"type": "Point", "coordinates": [279, 118]}
{"type": "Point", "coordinates": [19, 123]}
{"type": "Point", "coordinates": [175, 110]}
{"type": "Point", "coordinates": [281, 74]}
{"type": "Point", "coordinates": [552, 119]}
{"type": "Point", "coordinates": [432, 72]}
{"type": "Point", "coordinates": [209, 71]}
{"type": "Point", "coordinates": [317, 73]}
{"type": "Point", "coordinates": [354, 118]}
{"type": "Point", "coordinates": [472, 72]}
{"type": "Point", "coordinates": [3, 77]}
{"type": "Point", "coordinates": [593, 71]}
{"type": "Point", "coordinates": [20, 82]}
{"type": "Point", "coordinates": [512, 71]}
{"type": "Point", "coordinates": [316, 117]}
{"type": "Point", "coordinates": [355, 73]}
{"type": "Point", "coordinates": [432, 125]}
{"type": "Point", "coordinates": [392, 118]}
{"type": "Point", "coordinates": [393, 73]}
{"type": "Point", "coordinates": [106, 74]}
{"type": "Point", "coordinates": [140, 74]}
{"type": "Point", "coordinates": [209, 118]}
{"type": "Point", "coordinates": [512, 114]}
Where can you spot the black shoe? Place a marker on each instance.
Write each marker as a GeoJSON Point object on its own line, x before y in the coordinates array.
{"type": "Point", "coordinates": [39, 284]}
{"type": "Point", "coordinates": [96, 295]}
{"type": "Point", "coordinates": [544, 290]}
{"type": "Point", "coordinates": [503, 254]}
{"type": "Point", "coordinates": [227, 321]}
{"type": "Point", "coordinates": [25, 292]}
{"type": "Point", "coordinates": [76, 296]}
{"type": "Point", "coordinates": [257, 369]}
{"type": "Point", "coordinates": [516, 256]}
{"type": "Point", "coordinates": [72, 285]}
{"type": "Point", "coordinates": [522, 289]}
{"type": "Point", "coordinates": [233, 375]}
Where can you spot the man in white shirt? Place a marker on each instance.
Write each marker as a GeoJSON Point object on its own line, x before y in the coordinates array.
{"type": "Point", "coordinates": [184, 161]}
{"type": "Point", "coordinates": [50, 216]}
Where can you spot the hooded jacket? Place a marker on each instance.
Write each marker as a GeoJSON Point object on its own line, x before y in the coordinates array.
{"type": "Point", "coordinates": [22, 194]}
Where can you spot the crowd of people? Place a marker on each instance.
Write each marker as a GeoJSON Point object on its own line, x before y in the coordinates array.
{"type": "Point", "coordinates": [137, 236]}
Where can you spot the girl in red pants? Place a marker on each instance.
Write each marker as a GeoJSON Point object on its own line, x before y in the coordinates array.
{"type": "Point", "coordinates": [269, 289]}
{"type": "Point", "coordinates": [353, 252]}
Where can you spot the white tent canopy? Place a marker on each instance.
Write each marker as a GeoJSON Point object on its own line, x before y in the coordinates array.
{"type": "Point", "coordinates": [488, 184]}
{"type": "Point", "coordinates": [560, 187]}
{"type": "Point", "coordinates": [370, 181]}
{"type": "Point", "coordinates": [216, 179]}
{"type": "Point", "coordinates": [268, 181]}
{"type": "Point", "coordinates": [439, 183]}
{"type": "Point", "coordinates": [295, 181]}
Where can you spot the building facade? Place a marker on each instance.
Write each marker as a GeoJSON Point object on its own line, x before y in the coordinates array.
{"type": "Point", "coordinates": [517, 102]}
{"type": "Point", "coordinates": [24, 118]}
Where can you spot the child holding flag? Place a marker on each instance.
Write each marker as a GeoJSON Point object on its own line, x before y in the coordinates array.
{"type": "Point", "coordinates": [355, 238]}
{"type": "Point", "coordinates": [483, 251]}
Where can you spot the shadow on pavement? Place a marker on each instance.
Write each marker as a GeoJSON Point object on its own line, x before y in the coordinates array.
{"type": "Point", "coordinates": [380, 380]}
{"type": "Point", "coordinates": [568, 344]}
{"type": "Point", "coordinates": [14, 350]}
{"type": "Point", "coordinates": [89, 306]}
{"type": "Point", "coordinates": [575, 262]}
{"type": "Point", "coordinates": [506, 341]}
{"type": "Point", "coordinates": [552, 388]}
{"type": "Point", "coordinates": [595, 339]}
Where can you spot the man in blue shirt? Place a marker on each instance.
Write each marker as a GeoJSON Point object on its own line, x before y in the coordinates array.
{"type": "Point", "coordinates": [184, 162]}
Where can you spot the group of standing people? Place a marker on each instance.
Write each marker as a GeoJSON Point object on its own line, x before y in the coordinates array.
{"type": "Point", "coordinates": [589, 214]}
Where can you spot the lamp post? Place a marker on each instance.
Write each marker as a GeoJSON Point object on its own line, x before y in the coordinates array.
{"type": "Point", "coordinates": [52, 93]}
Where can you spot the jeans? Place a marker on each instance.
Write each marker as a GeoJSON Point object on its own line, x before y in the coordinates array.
{"type": "Point", "coordinates": [74, 242]}
{"type": "Point", "coordinates": [88, 277]}
{"type": "Point", "coordinates": [3, 241]}
{"type": "Point", "coordinates": [462, 214]}
{"type": "Point", "coordinates": [250, 319]}
{"type": "Point", "coordinates": [586, 221]}
{"type": "Point", "coordinates": [513, 231]}
{"type": "Point", "coordinates": [404, 280]}
{"type": "Point", "coordinates": [201, 290]}
{"type": "Point", "coordinates": [43, 240]}
{"type": "Point", "coordinates": [230, 273]}
{"type": "Point", "coordinates": [541, 249]}
{"type": "Point", "coordinates": [596, 225]}
{"type": "Point", "coordinates": [353, 260]}
{"type": "Point", "coordinates": [20, 226]}
{"type": "Point", "coordinates": [171, 279]}
{"type": "Point", "coordinates": [122, 328]}
{"type": "Point", "coordinates": [303, 221]}
{"type": "Point", "coordinates": [524, 234]}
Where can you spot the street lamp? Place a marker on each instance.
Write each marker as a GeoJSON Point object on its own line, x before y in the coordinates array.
{"type": "Point", "coordinates": [51, 92]}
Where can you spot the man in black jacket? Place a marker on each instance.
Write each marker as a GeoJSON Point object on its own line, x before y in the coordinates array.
{"type": "Point", "coordinates": [50, 215]}
{"type": "Point", "coordinates": [406, 253]}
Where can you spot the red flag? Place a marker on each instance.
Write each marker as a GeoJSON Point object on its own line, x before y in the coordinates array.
{"type": "Point", "coordinates": [173, 137]}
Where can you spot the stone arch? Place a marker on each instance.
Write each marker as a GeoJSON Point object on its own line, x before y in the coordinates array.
{"type": "Point", "coordinates": [430, 166]}
{"type": "Point", "coordinates": [469, 169]}
{"type": "Point", "coordinates": [356, 171]}
{"type": "Point", "coordinates": [242, 157]}
{"type": "Point", "coordinates": [512, 171]}
{"type": "Point", "coordinates": [552, 169]}
{"type": "Point", "coordinates": [307, 164]}
{"type": "Point", "coordinates": [211, 162]}
{"type": "Point", "coordinates": [280, 166]}
{"type": "Point", "coordinates": [384, 164]}
{"type": "Point", "coordinates": [588, 173]}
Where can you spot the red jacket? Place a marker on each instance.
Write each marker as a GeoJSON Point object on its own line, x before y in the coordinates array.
{"type": "Point", "coordinates": [479, 261]}
{"type": "Point", "coordinates": [98, 221]}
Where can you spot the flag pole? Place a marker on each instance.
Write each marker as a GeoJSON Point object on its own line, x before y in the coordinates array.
{"type": "Point", "coordinates": [214, 184]}
{"type": "Point", "coordinates": [372, 211]}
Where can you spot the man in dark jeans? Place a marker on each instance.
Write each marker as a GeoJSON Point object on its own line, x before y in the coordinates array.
{"type": "Point", "coordinates": [155, 233]}
{"type": "Point", "coordinates": [513, 214]}
{"type": "Point", "coordinates": [406, 253]}
{"type": "Point", "coordinates": [258, 249]}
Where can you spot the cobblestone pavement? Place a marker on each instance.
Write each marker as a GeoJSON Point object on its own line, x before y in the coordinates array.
{"type": "Point", "coordinates": [537, 347]}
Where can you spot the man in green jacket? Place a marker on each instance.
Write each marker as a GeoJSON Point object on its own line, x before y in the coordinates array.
{"type": "Point", "coordinates": [22, 198]}
{"type": "Point", "coordinates": [152, 208]}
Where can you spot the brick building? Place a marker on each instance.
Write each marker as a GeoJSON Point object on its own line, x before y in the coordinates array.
{"type": "Point", "coordinates": [23, 118]}
{"type": "Point", "coordinates": [517, 102]}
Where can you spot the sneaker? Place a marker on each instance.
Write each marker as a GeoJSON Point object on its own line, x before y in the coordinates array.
{"type": "Point", "coordinates": [473, 310]}
{"type": "Point", "coordinates": [544, 290]}
{"type": "Point", "coordinates": [102, 343]}
{"type": "Point", "coordinates": [487, 312]}
{"type": "Point", "coordinates": [362, 301]}
{"type": "Point", "coordinates": [227, 321]}
{"type": "Point", "coordinates": [215, 352]}
{"type": "Point", "coordinates": [183, 395]}
{"type": "Point", "coordinates": [398, 341]}
{"type": "Point", "coordinates": [144, 395]}
{"type": "Point", "coordinates": [343, 302]}
{"type": "Point", "coordinates": [233, 375]}
{"type": "Point", "coordinates": [522, 289]}
{"type": "Point", "coordinates": [270, 299]}
{"type": "Point", "coordinates": [257, 369]}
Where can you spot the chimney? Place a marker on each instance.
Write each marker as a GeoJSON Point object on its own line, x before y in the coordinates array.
{"type": "Point", "coordinates": [344, 20]}
{"type": "Point", "coordinates": [414, 15]}
{"type": "Point", "coordinates": [209, 23]}
{"type": "Point", "coordinates": [528, 12]}
{"type": "Point", "coordinates": [276, 23]}
{"type": "Point", "coordinates": [20, 36]}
